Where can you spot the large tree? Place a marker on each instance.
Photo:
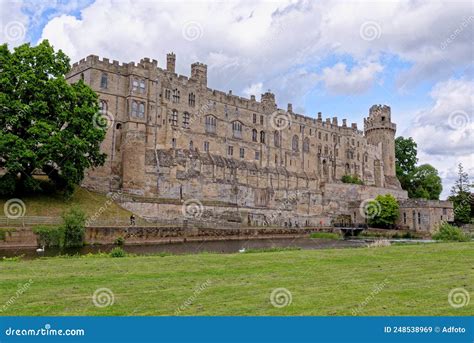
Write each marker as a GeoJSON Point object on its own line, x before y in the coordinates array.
{"type": "Point", "coordinates": [46, 123]}
{"type": "Point", "coordinates": [425, 183]}
{"type": "Point", "coordinates": [419, 181]}
{"type": "Point", "coordinates": [461, 196]}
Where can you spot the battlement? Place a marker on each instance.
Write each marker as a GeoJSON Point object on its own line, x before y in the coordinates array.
{"type": "Point", "coordinates": [380, 110]}
{"type": "Point", "coordinates": [111, 66]}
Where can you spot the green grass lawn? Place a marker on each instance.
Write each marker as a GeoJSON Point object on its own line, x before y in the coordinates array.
{"type": "Point", "coordinates": [53, 205]}
{"type": "Point", "coordinates": [396, 280]}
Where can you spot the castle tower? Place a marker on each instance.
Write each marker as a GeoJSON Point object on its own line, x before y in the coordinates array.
{"type": "Point", "coordinates": [378, 128]}
{"type": "Point", "coordinates": [133, 158]}
{"type": "Point", "coordinates": [199, 73]}
{"type": "Point", "coordinates": [268, 100]}
{"type": "Point", "coordinates": [171, 62]}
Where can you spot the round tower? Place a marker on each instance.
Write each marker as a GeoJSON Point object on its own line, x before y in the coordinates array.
{"type": "Point", "coordinates": [378, 128]}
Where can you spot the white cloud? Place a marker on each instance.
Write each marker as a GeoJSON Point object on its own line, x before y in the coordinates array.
{"type": "Point", "coordinates": [254, 89]}
{"type": "Point", "coordinates": [13, 23]}
{"type": "Point", "coordinates": [445, 131]}
{"type": "Point", "coordinates": [339, 80]}
{"type": "Point", "coordinates": [267, 40]}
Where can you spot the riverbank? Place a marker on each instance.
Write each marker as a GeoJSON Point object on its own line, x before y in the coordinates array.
{"type": "Point", "coordinates": [395, 280]}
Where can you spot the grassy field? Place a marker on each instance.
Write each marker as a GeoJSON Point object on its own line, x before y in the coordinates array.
{"type": "Point", "coordinates": [396, 280]}
{"type": "Point", "coordinates": [54, 204]}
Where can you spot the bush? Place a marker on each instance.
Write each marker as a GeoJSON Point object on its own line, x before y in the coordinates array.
{"type": "Point", "coordinates": [119, 241]}
{"type": "Point", "coordinates": [450, 233]}
{"type": "Point", "coordinates": [50, 236]}
{"type": "Point", "coordinates": [7, 184]}
{"type": "Point", "coordinates": [74, 227]}
{"type": "Point", "coordinates": [383, 211]}
{"type": "Point", "coordinates": [352, 179]}
{"type": "Point", "coordinates": [117, 252]}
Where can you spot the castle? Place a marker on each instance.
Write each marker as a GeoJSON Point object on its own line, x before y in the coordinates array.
{"type": "Point", "coordinates": [171, 139]}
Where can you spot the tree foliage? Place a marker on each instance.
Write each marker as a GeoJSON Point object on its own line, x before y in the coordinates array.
{"type": "Point", "coordinates": [352, 179]}
{"type": "Point", "coordinates": [461, 197]}
{"type": "Point", "coordinates": [419, 181]}
{"type": "Point", "coordinates": [384, 211]}
{"type": "Point", "coordinates": [46, 124]}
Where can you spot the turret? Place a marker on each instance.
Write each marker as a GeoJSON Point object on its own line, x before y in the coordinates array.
{"type": "Point", "coordinates": [171, 62]}
{"type": "Point", "coordinates": [378, 128]}
{"type": "Point", "coordinates": [199, 73]}
{"type": "Point", "coordinates": [268, 100]}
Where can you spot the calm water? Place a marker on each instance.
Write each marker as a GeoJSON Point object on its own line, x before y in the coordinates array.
{"type": "Point", "coordinates": [192, 247]}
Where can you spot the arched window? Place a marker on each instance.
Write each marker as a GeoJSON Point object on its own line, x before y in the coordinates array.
{"type": "Point", "coordinates": [103, 80]}
{"type": "Point", "coordinates": [174, 118]}
{"type": "Point", "coordinates": [237, 129]}
{"type": "Point", "coordinates": [326, 150]}
{"type": "Point", "coordinates": [191, 99]}
{"type": "Point", "coordinates": [276, 138]}
{"type": "Point", "coordinates": [103, 107]}
{"type": "Point", "coordinates": [306, 145]}
{"type": "Point", "coordinates": [186, 120]}
{"type": "Point", "coordinates": [294, 143]}
{"type": "Point", "coordinates": [176, 95]}
{"type": "Point", "coordinates": [211, 124]}
{"type": "Point", "coordinates": [254, 135]}
{"type": "Point", "coordinates": [262, 137]}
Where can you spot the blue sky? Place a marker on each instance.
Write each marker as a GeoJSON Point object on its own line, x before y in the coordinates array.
{"type": "Point", "coordinates": [334, 57]}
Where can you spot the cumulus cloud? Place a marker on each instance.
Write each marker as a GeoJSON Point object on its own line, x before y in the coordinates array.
{"type": "Point", "coordinates": [445, 131]}
{"type": "Point", "coordinates": [268, 41]}
{"type": "Point", "coordinates": [339, 80]}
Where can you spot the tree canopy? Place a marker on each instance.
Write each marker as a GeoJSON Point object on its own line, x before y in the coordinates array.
{"type": "Point", "coordinates": [385, 211]}
{"type": "Point", "coordinates": [461, 197]}
{"type": "Point", "coordinates": [419, 181]}
{"type": "Point", "coordinates": [46, 123]}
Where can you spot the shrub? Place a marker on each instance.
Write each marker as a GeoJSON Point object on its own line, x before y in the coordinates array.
{"type": "Point", "coordinates": [74, 227]}
{"type": "Point", "coordinates": [50, 236]}
{"type": "Point", "coordinates": [352, 179]}
{"type": "Point", "coordinates": [4, 232]}
{"type": "Point", "coordinates": [451, 233]}
{"type": "Point", "coordinates": [117, 252]}
{"type": "Point", "coordinates": [383, 211]}
{"type": "Point", "coordinates": [119, 241]}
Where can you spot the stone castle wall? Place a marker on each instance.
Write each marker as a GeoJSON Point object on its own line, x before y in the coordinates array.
{"type": "Point", "coordinates": [172, 138]}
